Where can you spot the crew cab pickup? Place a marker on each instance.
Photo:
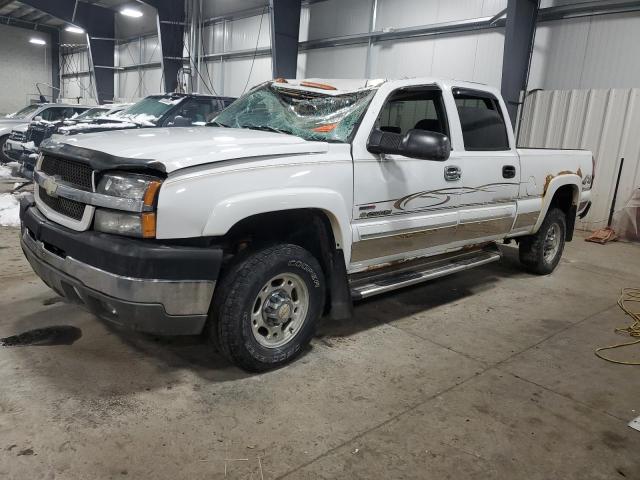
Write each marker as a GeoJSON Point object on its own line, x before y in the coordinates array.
{"type": "Point", "coordinates": [300, 197]}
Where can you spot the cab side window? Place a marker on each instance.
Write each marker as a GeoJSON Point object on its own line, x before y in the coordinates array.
{"type": "Point", "coordinates": [199, 110]}
{"type": "Point", "coordinates": [411, 108]}
{"type": "Point", "coordinates": [483, 126]}
{"type": "Point", "coordinates": [53, 114]}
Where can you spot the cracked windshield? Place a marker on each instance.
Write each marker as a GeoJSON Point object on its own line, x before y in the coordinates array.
{"type": "Point", "coordinates": [310, 115]}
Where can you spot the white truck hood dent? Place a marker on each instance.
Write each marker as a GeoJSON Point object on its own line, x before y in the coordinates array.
{"type": "Point", "coordinates": [178, 148]}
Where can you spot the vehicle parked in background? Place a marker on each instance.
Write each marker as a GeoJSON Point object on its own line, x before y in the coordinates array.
{"type": "Point", "coordinates": [22, 118]}
{"type": "Point", "coordinates": [169, 110]}
{"type": "Point", "coordinates": [302, 197]}
{"type": "Point", "coordinates": [23, 143]}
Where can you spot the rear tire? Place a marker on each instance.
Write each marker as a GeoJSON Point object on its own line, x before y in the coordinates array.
{"type": "Point", "coordinates": [540, 253]}
{"type": "Point", "coordinates": [266, 307]}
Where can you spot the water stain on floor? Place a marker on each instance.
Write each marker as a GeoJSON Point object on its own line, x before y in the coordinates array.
{"type": "Point", "coordinates": [47, 336]}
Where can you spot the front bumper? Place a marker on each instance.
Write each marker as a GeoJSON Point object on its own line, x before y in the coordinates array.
{"type": "Point", "coordinates": [144, 286]}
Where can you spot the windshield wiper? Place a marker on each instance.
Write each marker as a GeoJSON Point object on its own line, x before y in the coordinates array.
{"type": "Point", "coordinates": [267, 128]}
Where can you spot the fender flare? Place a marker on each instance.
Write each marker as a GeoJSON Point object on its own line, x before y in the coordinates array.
{"type": "Point", "coordinates": [229, 211]}
{"type": "Point", "coordinates": [552, 185]}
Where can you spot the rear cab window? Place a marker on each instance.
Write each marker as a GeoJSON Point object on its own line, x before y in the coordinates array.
{"type": "Point", "coordinates": [481, 119]}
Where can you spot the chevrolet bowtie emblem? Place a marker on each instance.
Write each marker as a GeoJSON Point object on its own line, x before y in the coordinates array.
{"type": "Point", "coordinates": [51, 186]}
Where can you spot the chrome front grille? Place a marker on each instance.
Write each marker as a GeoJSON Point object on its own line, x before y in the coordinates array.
{"type": "Point", "coordinates": [76, 174]}
{"type": "Point", "coordinates": [64, 206]}
{"type": "Point", "coordinates": [69, 210]}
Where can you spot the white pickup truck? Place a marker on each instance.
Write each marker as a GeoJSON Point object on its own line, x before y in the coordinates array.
{"type": "Point", "coordinates": [299, 198]}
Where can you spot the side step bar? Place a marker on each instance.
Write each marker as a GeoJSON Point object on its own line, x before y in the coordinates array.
{"type": "Point", "coordinates": [367, 284]}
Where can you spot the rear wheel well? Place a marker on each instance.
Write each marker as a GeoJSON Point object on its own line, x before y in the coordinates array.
{"type": "Point", "coordinates": [310, 229]}
{"type": "Point", "coordinates": [565, 199]}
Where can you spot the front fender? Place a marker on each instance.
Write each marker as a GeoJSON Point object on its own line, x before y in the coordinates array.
{"type": "Point", "coordinates": [552, 185]}
{"type": "Point", "coordinates": [229, 211]}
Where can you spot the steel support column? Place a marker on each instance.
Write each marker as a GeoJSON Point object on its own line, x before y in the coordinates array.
{"type": "Point", "coordinates": [171, 17]}
{"type": "Point", "coordinates": [98, 22]}
{"type": "Point", "coordinates": [518, 43]}
{"type": "Point", "coordinates": [285, 30]}
{"type": "Point", "coordinates": [55, 64]}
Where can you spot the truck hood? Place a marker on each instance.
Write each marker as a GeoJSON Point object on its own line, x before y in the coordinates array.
{"type": "Point", "coordinates": [8, 124]}
{"type": "Point", "coordinates": [171, 149]}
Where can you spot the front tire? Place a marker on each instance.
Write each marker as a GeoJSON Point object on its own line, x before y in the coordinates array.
{"type": "Point", "coordinates": [540, 253]}
{"type": "Point", "coordinates": [267, 306]}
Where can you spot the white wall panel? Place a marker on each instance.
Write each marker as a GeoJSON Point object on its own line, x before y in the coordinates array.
{"type": "Point", "coordinates": [337, 17]}
{"type": "Point", "coordinates": [476, 57]}
{"type": "Point", "coordinates": [473, 56]}
{"type": "Point", "coordinates": [128, 54]}
{"type": "Point", "coordinates": [336, 62]}
{"type": "Point", "coordinates": [78, 87]}
{"type": "Point", "coordinates": [605, 121]}
{"type": "Point", "coordinates": [402, 58]}
{"type": "Point", "coordinates": [590, 52]}
{"type": "Point", "coordinates": [242, 34]}
{"type": "Point", "coordinates": [213, 38]}
{"type": "Point", "coordinates": [152, 81]}
{"type": "Point", "coordinates": [215, 78]}
{"type": "Point", "coordinates": [409, 13]}
{"type": "Point", "coordinates": [75, 62]}
{"type": "Point", "coordinates": [236, 73]}
{"type": "Point", "coordinates": [152, 51]}
{"type": "Point", "coordinates": [129, 86]}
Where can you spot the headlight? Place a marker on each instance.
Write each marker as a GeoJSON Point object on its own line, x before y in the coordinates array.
{"type": "Point", "coordinates": [587, 181]}
{"type": "Point", "coordinates": [141, 225]}
{"type": "Point", "coordinates": [132, 186]}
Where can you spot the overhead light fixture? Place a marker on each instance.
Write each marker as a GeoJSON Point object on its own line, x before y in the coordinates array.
{"type": "Point", "coordinates": [37, 41]}
{"type": "Point", "coordinates": [131, 12]}
{"type": "Point", "coordinates": [74, 29]}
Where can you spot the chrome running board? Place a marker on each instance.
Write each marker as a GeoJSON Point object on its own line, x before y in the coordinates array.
{"type": "Point", "coordinates": [404, 274]}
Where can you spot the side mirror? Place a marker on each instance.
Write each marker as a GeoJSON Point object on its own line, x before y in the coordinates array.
{"type": "Point", "coordinates": [38, 118]}
{"type": "Point", "coordinates": [421, 144]}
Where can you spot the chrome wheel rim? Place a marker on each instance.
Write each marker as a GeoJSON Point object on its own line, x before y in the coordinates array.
{"type": "Point", "coordinates": [279, 310]}
{"type": "Point", "coordinates": [551, 243]}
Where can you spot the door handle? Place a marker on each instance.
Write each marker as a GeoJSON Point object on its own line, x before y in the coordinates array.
{"type": "Point", "coordinates": [452, 173]}
{"type": "Point", "coordinates": [508, 171]}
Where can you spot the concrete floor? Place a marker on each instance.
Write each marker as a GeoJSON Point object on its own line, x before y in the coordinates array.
{"type": "Point", "coordinates": [488, 374]}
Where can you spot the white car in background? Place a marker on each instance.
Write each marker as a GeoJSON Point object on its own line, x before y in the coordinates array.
{"type": "Point", "coordinates": [19, 119]}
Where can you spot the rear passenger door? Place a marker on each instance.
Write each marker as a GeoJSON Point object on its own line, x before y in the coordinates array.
{"type": "Point", "coordinates": [489, 167]}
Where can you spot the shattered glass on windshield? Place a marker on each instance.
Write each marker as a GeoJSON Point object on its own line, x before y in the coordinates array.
{"type": "Point", "coordinates": [306, 114]}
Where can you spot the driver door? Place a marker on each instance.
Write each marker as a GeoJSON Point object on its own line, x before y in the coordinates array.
{"type": "Point", "coordinates": [404, 206]}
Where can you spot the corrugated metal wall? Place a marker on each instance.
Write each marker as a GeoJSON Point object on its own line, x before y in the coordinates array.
{"type": "Point", "coordinates": [605, 121]}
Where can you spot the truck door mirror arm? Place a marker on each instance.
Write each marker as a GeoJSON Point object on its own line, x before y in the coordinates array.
{"type": "Point", "coordinates": [415, 143]}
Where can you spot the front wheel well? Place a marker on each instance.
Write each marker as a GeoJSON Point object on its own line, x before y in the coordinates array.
{"type": "Point", "coordinates": [308, 228]}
